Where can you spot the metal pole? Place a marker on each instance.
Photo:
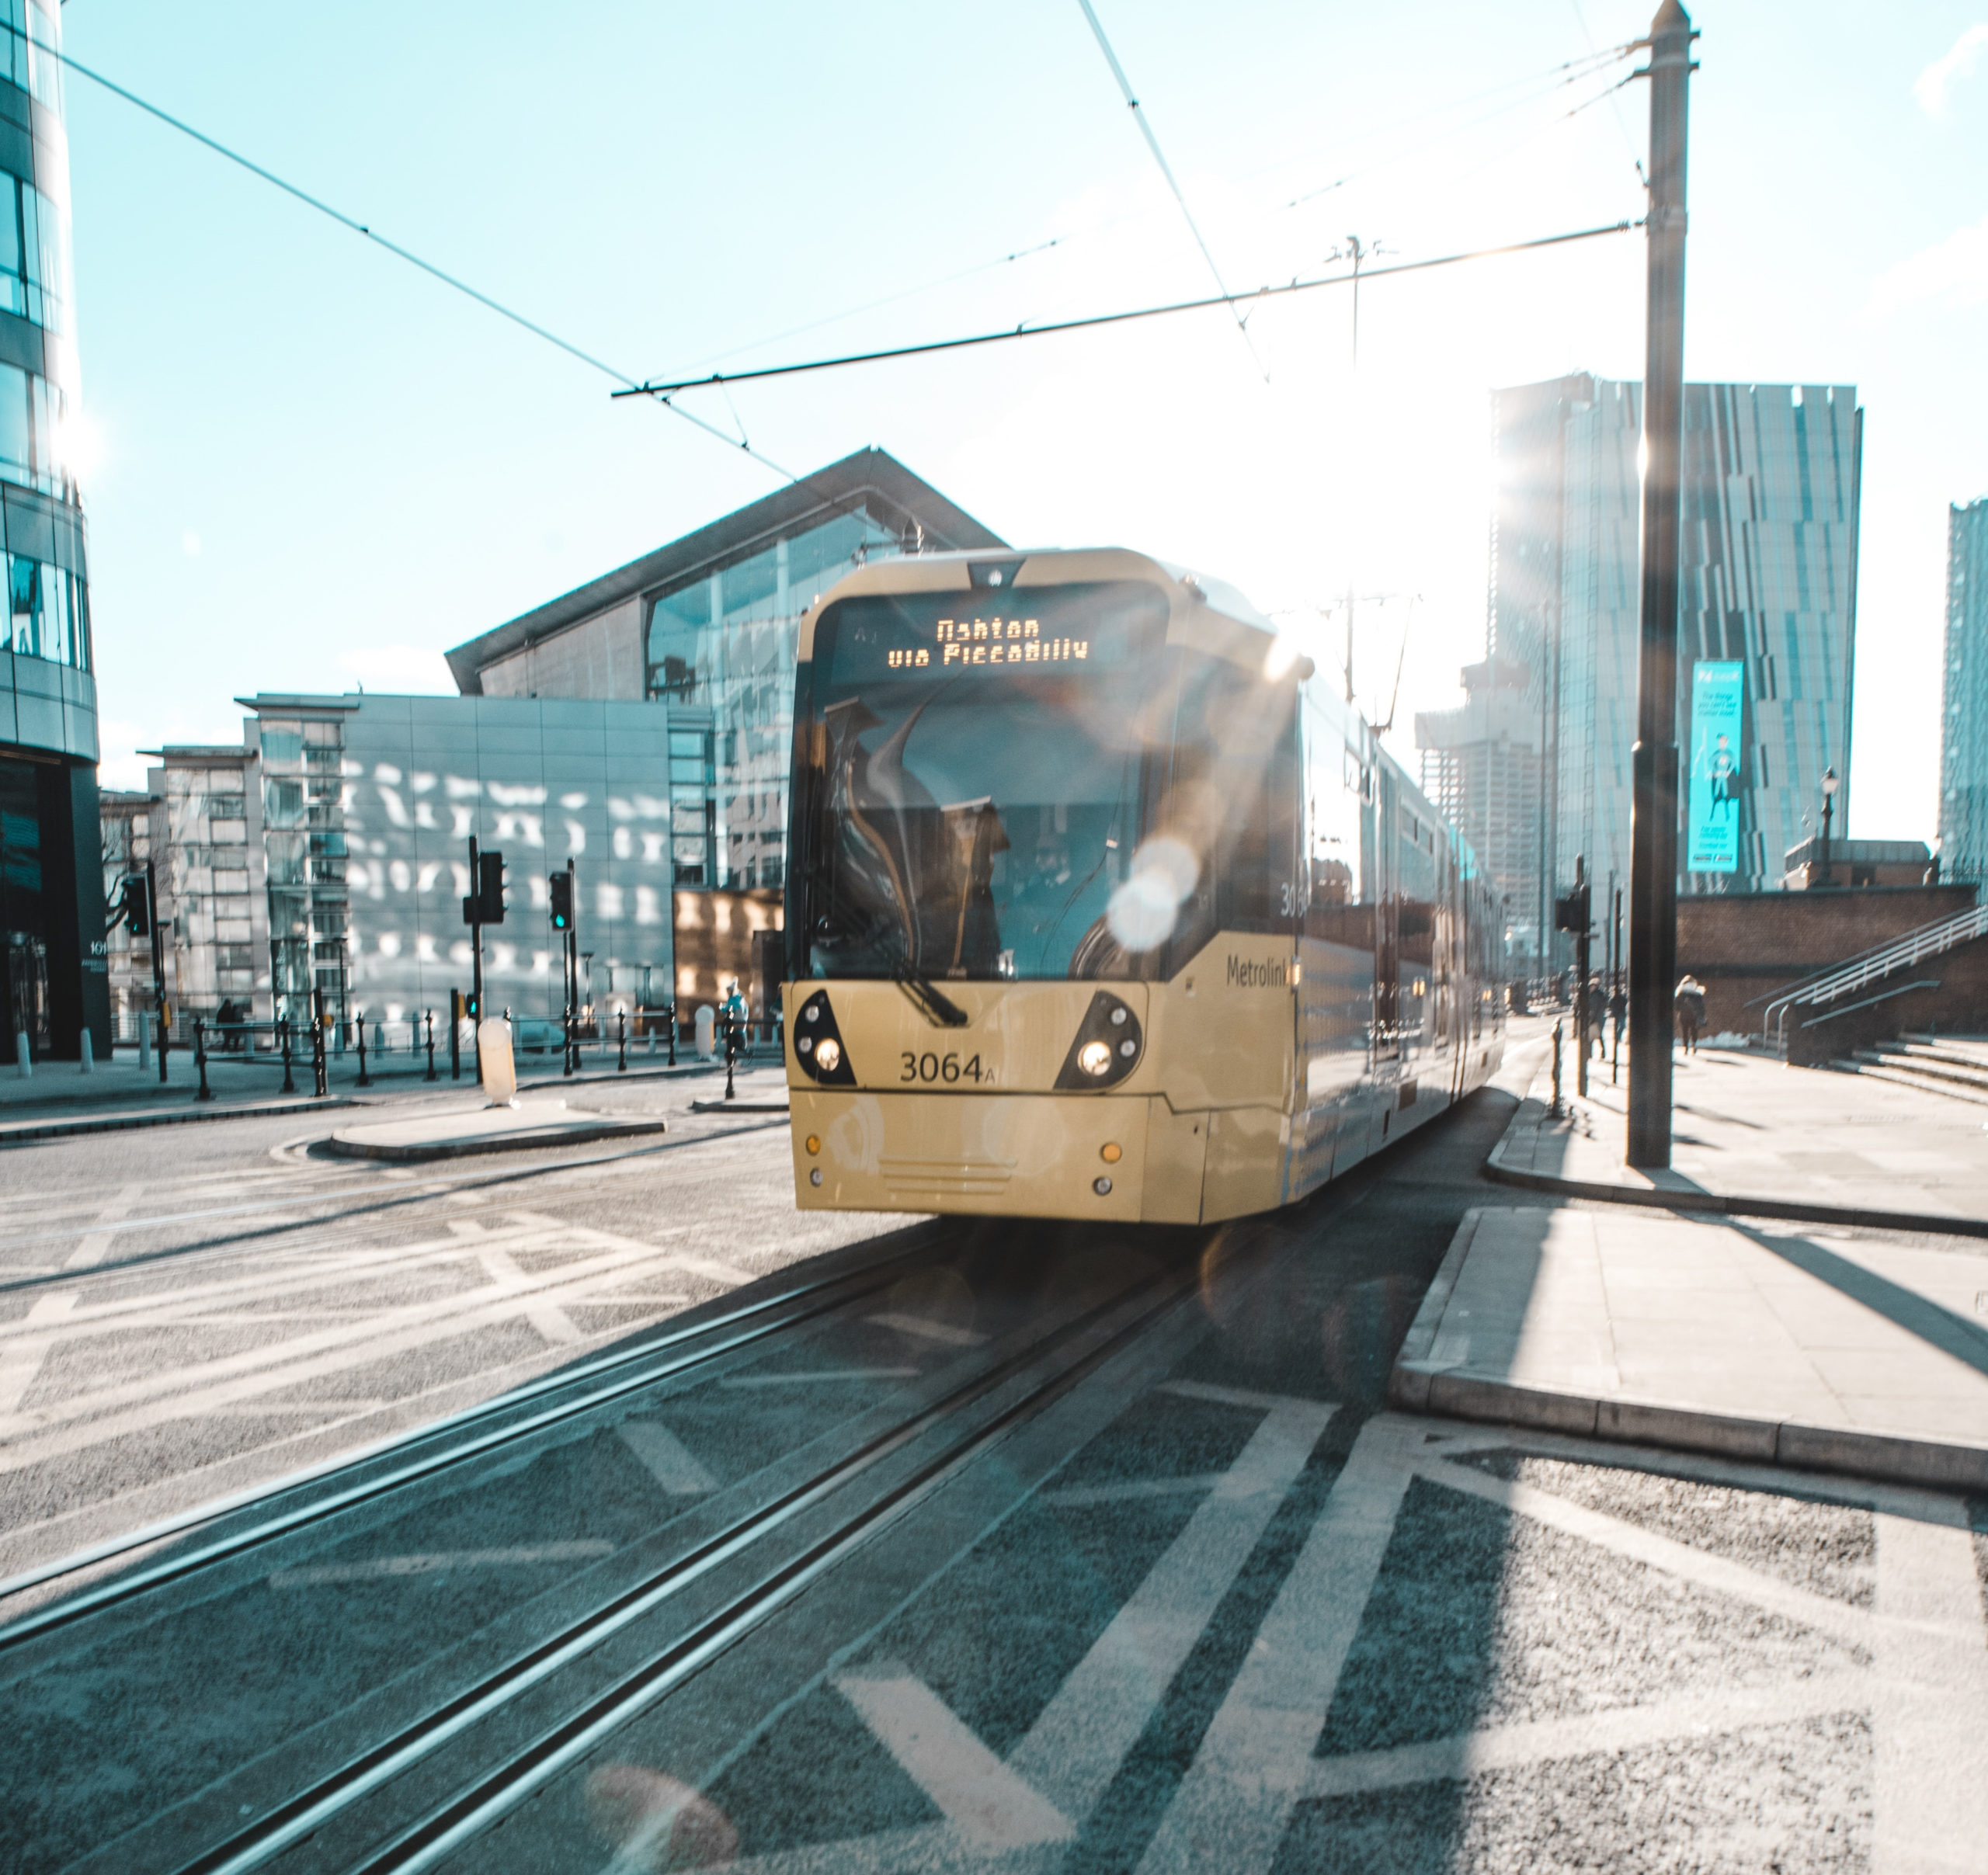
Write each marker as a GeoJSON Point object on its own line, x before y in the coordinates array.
{"type": "Point", "coordinates": [621, 1028]}
{"type": "Point", "coordinates": [1829, 806]}
{"type": "Point", "coordinates": [362, 1081]}
{"type": "Point", "coordinates": [289, 1083]}
{"type": "Point", "coordinates": [320, 1081]}
{"type": "Point", "coordinates": [158, 964]}
{"type": "Point", "coordinates": [200, 1058]}
{"type": "Point", "coordinates": [455, 1035]}
{"type": "Point", "coordinates": [1653, 815]}
{"type": "Point", "coordinates": [431, 1044]}
{"type": "Point", "coordinates": [671, 1008]}
{"type": "Point", "coordinates": [476, 951]}
{"type": "Point", "coordinates": [1581, 940]}
{"type": "Point", "coordinates": [1559, 1027]}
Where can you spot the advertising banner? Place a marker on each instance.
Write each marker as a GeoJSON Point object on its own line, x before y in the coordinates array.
{"type": "Point", "coordinates": [1711, 817]}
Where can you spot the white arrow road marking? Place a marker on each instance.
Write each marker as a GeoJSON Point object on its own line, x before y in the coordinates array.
{"type": "Point", "coordinates": [667, 1460]}
{"type": "Point", "coordinates": [977, 1794]}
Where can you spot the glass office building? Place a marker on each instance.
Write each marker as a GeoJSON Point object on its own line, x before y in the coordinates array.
{"type": "Point", "coordinates": [53, 980]}
{"type": "Point", "coordinates": [1772, 476]}
{"type": "Point", "coordinates": [708, 627]}
{"type": "Point", "coordinates": [1964, 700]}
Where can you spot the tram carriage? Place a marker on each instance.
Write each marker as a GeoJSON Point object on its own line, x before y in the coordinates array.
{"type": "Point", "coordinates": [1102, 905]}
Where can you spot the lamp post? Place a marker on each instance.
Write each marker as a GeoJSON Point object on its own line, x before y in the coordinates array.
{"type": "Point", "coordinates": [1830, 784]}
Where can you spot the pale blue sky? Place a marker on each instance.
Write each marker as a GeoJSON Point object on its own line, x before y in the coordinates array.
{"type": "Point", "coordinates": [316, 466]}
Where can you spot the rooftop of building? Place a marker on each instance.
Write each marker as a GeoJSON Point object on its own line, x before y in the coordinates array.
{"type": "Point", "coordinates": [871, 479]}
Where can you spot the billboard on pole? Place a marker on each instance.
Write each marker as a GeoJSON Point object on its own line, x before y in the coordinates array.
{"type": "Point", "coordinates": [1718, 691]}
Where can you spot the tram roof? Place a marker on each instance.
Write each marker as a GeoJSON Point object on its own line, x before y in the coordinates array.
{"type": "Point", "coordinates": [1207, 613]}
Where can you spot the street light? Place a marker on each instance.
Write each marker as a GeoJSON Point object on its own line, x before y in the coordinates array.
{"type": "Point", "coordinates": [1830, 784]}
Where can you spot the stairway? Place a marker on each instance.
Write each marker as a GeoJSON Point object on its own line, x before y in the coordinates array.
{"type": "Point", "coordinates": [1956, 1065]}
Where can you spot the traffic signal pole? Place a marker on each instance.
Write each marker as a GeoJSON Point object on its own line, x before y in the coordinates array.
{"type": "Point", "coordinates": [158, 963]}
{"type": "Point", "coordinates": [473, 916]}
{"type": "Point", "coordinates": [1653, 810]}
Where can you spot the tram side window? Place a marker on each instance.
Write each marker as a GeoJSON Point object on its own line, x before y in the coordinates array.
{"type": "Point", "coordinates": [1336, 821]}
{"type": "Point", "coordinates": [1260, 863]}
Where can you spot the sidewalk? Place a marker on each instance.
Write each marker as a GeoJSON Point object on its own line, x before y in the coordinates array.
{"type": "Point", "coordinates": [1817, 1347]}
{"type": "Point", "coordinates": [1752, 1137]}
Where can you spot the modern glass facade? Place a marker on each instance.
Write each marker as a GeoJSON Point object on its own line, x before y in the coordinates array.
{"type": "Point", "coordinates": [1770, 498]}
{"type": "Point", "coordinates": [55, 962]}
{"type": "Point", "coordinates": [720, 651]}
{"type": "Point", "coordinates": [1964, 701]}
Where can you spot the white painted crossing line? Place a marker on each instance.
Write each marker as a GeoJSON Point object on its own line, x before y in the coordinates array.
{"type": "Point", "coordinates": [1131, 1490]}
{"type": "Point", "coordinates": [926, 1329]}
{"type": "Point", "coordinates": [1235, 1396]}
{"type": "Point", "coordinates": [981, 1797]}
{"type": "Point", "coordinates": [665, 1458]}
{"type": "Point", "coordinates": [527, 1556]}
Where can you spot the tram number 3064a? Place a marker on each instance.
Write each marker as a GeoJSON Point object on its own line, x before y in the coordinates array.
{"type": "Point", "coordinates": [947, 1067]}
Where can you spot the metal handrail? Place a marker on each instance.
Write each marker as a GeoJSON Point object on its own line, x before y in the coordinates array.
{"type": "Point", "coordinates": [1840, 980]}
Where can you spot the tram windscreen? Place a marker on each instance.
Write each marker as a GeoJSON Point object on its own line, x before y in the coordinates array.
{"type": "Point", "coordinates": [980, 762]}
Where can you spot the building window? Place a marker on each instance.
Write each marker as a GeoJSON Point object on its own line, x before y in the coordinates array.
{"type": "Point", "coordinates": [48, 615]}
{"type": "Point", "coordinates": [34, 255]}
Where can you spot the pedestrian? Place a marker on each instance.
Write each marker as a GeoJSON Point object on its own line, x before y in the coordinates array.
{"type": "Point", "coordinates": [1597, 1018]}
{"type": "Point", "coordinates": [1618, 1013]}
{"type": "Point", "coordinates": [1691, 1008]}
{"type": "Point", "coordinates": [733, 1013]}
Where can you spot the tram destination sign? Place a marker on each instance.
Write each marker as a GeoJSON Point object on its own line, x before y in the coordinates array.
{"type": "Point", "coordinates": [1066, 630]}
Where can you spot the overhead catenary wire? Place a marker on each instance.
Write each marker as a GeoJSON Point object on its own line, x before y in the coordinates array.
{"type": "Point", "coordinates": [412, 259]}
{"type": "Point", "coordinates": [1165, 169]}
{"type": "Point", "coordinates": [672, 386]}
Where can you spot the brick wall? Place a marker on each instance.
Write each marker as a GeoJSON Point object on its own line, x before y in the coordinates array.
{"type": "Point", "coordinates": [1747, 947]}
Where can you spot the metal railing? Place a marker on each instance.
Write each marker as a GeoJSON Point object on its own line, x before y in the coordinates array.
{"type": "Point", "coordinates": [1857, 973]}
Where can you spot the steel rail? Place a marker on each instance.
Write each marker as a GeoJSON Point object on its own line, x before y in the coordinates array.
{"type": "Point", "coordinates": [856, 1283]}
{"type": "Point", "coordinates": [312, 1809]}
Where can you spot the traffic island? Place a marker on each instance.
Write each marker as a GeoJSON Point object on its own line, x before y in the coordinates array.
{"type": "Point", "coordinates": [1832, 1353]}
{"type": "Point", "coordinates": [530, 1127]}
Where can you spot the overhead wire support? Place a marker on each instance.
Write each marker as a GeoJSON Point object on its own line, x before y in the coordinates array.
{"type": "Point", "coordinates": [1165, 169]}
{"type": "Point", "coordinates": [671, 386]}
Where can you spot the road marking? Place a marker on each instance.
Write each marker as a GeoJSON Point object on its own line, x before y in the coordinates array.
{"type": "Point", "coordinates": [94, 1248]}
{"type": "Point", "coordinates": [665, 1458]}
{"type": "Point", "coordinates": [1929, 1704]}
{"type": "Point", "coordinates": [20, 1363]}
{"type": "Point", "coordinates": [1075, 1748]}
{"type": "Point", "coordinates": [820, 1373]}
{"type": "Point", "coordinates": [1838, 1619]}
{"type": "Point", "coordinates": [930, 1331]}
{"type": "Point", "coordinates": [528, 1556]}
{"type": "Point", "coordinates": [548, 1318]}
{"type": "Point", "coordinates": [1503, 1748]}
{"type": "Point", "coordinates": [981, 1797]}
{"type": "Point", "coordinates": [1235, 1396]}
{"type": "Point", "coordinates": [1231, 1808]}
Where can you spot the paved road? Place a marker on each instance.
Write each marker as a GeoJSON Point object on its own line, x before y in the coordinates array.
{"type": "Point", "coordinates": [1046, 1550]}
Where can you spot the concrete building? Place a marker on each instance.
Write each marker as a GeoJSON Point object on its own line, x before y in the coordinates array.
{"type": "Point", "coordinates": [1772, 475]}
{"type": "Point", "coordinates": [1964, 701]}
{"type": "Point", "coordinates": [708, 628]}
{"type": "Point", "coordinates": [53, 972]}
{"type": "Point", "coordinates": [1481, 767]}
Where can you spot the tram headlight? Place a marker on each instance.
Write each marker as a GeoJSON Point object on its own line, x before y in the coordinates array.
{"type": "Point", "coordinates": [1095, 1058]}
{"type": "Point", "coordinates": [1107, 1047]}
{"type": "Point", "coordinates": [818, 1050]}
{"type": "Point", "coordinates": [828, 1054]}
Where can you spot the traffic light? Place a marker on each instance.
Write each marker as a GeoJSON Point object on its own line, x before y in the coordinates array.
{"type": "Point", "coordinates": [485, 905]}
{"type": "Point", "coordinates": [136, 906]}
{"type": "Point", "coordinates": [473, 1005]}
{"type": "Point", "coordinates": [561, 886]}
{"type": "Point", "coordinates": [1571, 913]}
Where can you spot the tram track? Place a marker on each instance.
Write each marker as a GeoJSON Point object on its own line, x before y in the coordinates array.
{"type": "Point", "coordinates": [1006, 1394]}
{"type": "Point", "coordinates": [788, 1308]}
{"type": "Point", "coordinates": [402, 1197]}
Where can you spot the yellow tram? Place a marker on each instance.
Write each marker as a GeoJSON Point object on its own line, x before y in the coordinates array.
{"type": "Point", "coordinates": [1101, 903]}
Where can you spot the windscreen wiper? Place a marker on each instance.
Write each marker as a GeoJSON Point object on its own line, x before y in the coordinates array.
{"type": "Point", "coordinates": [937, 1008]}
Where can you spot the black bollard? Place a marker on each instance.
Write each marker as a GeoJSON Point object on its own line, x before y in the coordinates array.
{"type": "Point", "coordinates": [289, 1084]}
{"type": "Point", "coordinates": [621, 1029]}
{"type": "Point", "coordinates": [431, 1044]}
{"type": "Point", "coordinates": [669, 1010]}
{"type": "Point", "coordinates": [731, 1052]}
{"type": "Point", "coordinates": [362, 1081]}
{"type": "Point", "coordinates": [320, 1075]}
{"type": "Point", "coordinates": [200, 1058]}
{"type": "Point", "coordinates": [1554, 1109]}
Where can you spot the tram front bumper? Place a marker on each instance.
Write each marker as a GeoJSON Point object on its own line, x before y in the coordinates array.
{"type": "Point", "coordinates": [1008, 1155]}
